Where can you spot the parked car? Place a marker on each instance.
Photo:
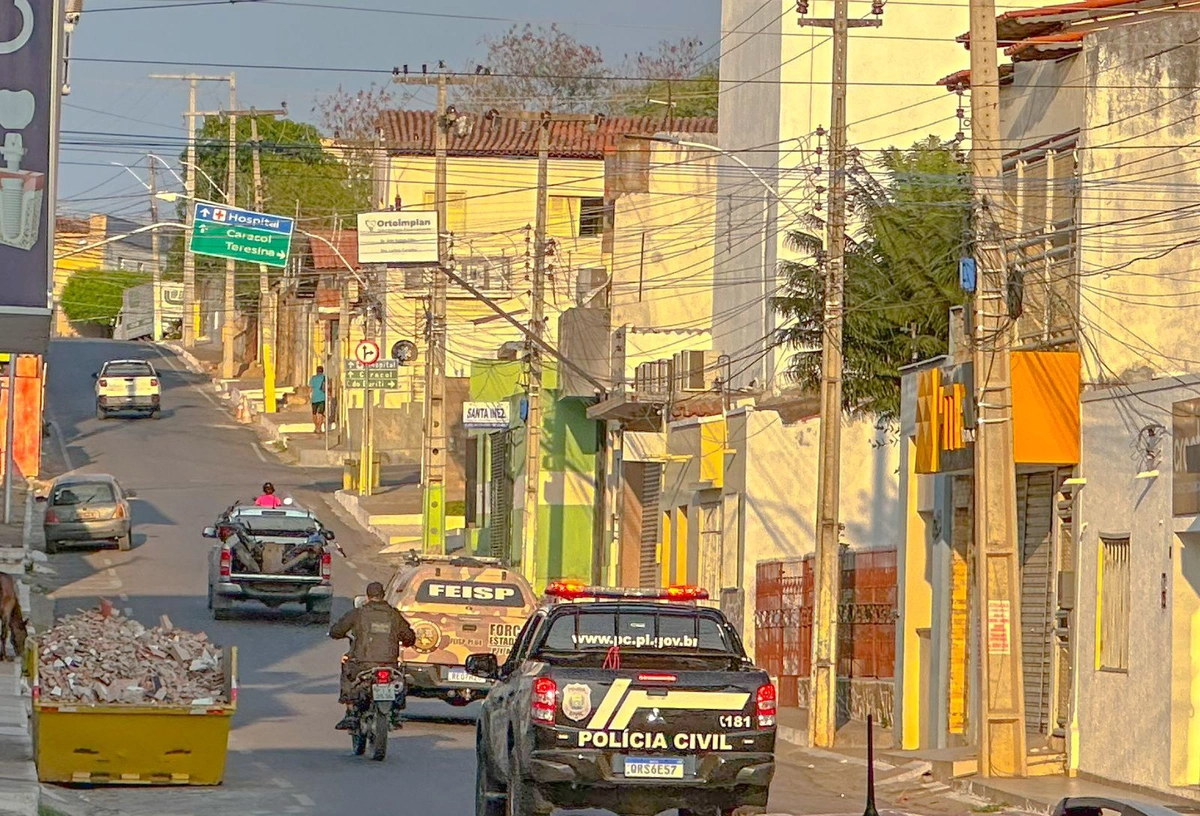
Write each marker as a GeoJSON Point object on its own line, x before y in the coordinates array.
{"type": "Point", "coordinates": [128, 385]}
{"type": "Point", "coordinates": [86, 508]}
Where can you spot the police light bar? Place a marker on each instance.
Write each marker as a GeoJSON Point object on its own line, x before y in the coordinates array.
{"type": "Point", "coordinates": [576, 590]}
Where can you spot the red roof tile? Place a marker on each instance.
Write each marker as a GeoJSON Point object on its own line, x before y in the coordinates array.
{"type": "Point", "coordinates": [323, 255]}
{"type": "Point", "coordinates": [64, 224]}
{"type": "Point", "coordinates": [1048, 46]}
{"type": "Point", "coordinates": [411, 133]}
{"type": "Point", "coordinates": [962, 79]}
{"type": "Point", "coordinates": [1014, 27]}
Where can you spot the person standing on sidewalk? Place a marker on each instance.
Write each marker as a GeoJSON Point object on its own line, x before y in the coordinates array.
{"type": "Point", "coordinates": [317, 385]}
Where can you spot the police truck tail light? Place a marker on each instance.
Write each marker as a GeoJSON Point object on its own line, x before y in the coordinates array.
{"type": "Point", "coordinates": [764, 702]}
{"type": "Point", "coordinates": [326, 566]}
{"type": "Point", "coordinates": [226, 563]}
{"type": "Point", "coordinates": [383, 676]}
{"type": "Point", "coordinates": [545, 696]}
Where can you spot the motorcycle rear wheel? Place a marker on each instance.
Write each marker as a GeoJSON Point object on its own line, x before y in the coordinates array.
{"type": "Point", "coordinates": [358, 740]}
{"type": "Point", "coordinates": [379, 735]}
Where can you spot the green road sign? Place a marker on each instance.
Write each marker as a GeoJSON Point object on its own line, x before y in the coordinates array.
{"type": "Point", "coordinates": [240, 235]}
{"type": "Point", "coordinates": [382, 374]}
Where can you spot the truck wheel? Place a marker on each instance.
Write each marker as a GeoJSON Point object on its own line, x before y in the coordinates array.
{"type": "Point", "coordinates": [156, 413]}
{"type": "Point", "coordinates": [100, 412]}
{"type": "Point", "coordinates": [221, 607]}
{"type": "Point", "coordinates": [519, 801]}
{"type": "Point", "coordinates": [379, 736]}
{"type": "Point", "coordinates": [51, 546]}
{"type": "Point", "coordinates": [125, 544]}
{"type": "Point", "coordinates": [488, 799]}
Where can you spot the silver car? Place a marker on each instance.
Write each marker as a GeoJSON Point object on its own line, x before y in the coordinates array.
{"type": "Point", "coordinates": [85, 508]}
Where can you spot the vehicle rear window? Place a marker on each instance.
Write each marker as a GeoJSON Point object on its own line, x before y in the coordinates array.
{"type": "Point", "coordinates": [281, 524]}
{"type": "Point", "coordinates": [89, 493]}
{"type": "Point", "coordinates": [475, 593]}
{"type": "Point", "coordinates": [588, 629]}
{"type": "Point", "coordinates": [128, 370]}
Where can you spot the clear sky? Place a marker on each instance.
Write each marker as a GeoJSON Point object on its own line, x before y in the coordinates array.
{"type": "Point", "coordinates": [116, 113]}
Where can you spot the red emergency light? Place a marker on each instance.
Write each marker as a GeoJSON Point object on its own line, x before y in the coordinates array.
{"type": "Point", "coordinates": [577, 590]}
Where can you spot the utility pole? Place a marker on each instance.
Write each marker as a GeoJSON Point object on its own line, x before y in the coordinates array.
{"type": "Point", "coordinates": [1001, 698]}
{"type": "Point", "coordinates": [266, 300]}
{"type": "Point", "coordinates": [191, 309]}
{"type": "Point", "coordinates": [822, 698]}
{"type": "Point", "coordinates": [156, 310]}
{"type": "Point", "coordinates": [227, 336]}
{"type": "Point", "coordinates": [433, 459]}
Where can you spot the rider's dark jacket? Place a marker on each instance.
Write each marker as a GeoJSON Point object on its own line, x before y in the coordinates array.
{"type": "Point", "coordinates": [379, 630]}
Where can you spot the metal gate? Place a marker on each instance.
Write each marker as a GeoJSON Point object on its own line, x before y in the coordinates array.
{"type": "Point", "coordinates": [500, 504]}
{"type": "Point", "coordinates": [651, 491]}
{"type": "Point", "coordinates": [1035, 523]}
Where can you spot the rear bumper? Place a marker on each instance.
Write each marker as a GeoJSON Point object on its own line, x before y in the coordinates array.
{"type": "Point", "coordinates": [86, 530]}
{"type": "Point", "coordinates": [248, 592]}
{"type": "Point", "coordinates": [431, 680]}
{"type": "Point", "coordinates": [115, 403]}
{"type": "Point", "coordinates": [578, 779]}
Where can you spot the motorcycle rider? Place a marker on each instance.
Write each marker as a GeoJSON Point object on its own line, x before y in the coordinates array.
{"type": "Point", "coordinates": [377, 631]}
{"type": "Point", "coordinates": [268, 497]}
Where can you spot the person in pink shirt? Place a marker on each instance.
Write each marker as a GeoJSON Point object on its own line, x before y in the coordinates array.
{"type": "Point", "coordinates": [268, 498]}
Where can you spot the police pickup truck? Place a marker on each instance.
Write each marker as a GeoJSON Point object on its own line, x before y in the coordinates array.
{"type": "Point", "coordinates": [634, 701]}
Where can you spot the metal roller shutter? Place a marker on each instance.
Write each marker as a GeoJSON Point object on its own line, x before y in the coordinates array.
{"type": "Point", "coordinates": [1035, 523]}
{"type": "Point", "coordinates": [651, 493]}
{"type": "Point", "coordinates": [501, 497]}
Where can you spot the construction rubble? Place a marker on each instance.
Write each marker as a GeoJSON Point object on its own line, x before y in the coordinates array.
{"type": "Point", "coordinates": [101, 657]}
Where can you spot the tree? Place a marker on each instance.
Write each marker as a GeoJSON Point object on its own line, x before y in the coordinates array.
{"type": "Point", "coordinates": [302, 173]}
{"type": "Point", "coordinates": [901, 277]}
{"type": "Point", "coordinates": [540, 68]}
{"type": "Point", "coordinates": [352, 119]}
{"type": "Point", "coordinates": [675, 74]}
{"type": "Point", "coordinates": [96, 295]}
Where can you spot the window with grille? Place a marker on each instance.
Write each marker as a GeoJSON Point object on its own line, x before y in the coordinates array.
{"type": "Point", "coordinates": [1114, 603]}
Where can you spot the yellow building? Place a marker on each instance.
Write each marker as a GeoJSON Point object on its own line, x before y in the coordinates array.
{"type": "Point", "coordinates": [70, 234]}
{"type": "Point", "coordinates": [492, 203]}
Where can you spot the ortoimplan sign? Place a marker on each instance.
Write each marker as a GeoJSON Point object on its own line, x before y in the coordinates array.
{"type": "Point", "coordinates": [405, 237]}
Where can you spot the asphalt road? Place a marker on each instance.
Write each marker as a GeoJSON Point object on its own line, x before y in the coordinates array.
{"type": "Point", "coordinates": [285, 756]}
{"type": "Point", "coordinates": [186, 467]}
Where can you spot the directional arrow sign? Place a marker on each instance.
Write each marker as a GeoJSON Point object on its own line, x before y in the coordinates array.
{"type": "Point", "coordinates": [241, 235]}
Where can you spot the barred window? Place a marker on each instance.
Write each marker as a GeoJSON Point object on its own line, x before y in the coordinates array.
{"type": "Point", "coordinates": [1114, 603]}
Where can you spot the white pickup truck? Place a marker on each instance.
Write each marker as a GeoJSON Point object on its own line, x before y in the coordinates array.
{"type": "Point", "coordinates": [127, 385]}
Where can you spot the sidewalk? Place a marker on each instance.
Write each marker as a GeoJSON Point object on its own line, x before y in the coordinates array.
{"type": "Point", "coordinates": [19, 791]}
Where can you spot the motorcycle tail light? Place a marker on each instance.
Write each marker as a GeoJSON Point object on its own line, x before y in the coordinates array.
{"type": "Point", "coordinates": [383, 676]}
{"type": "Point", "coordinates": [545, 696]}
{"type": "Point", "coordinates": [226, 563]}
{"type": "Point", "coordinates": [326, 566]}
{"type": "Point", "coordinates": [765, 702]}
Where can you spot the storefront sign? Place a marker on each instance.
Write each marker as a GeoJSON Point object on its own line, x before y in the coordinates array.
{"type": "Point", "coordinates": [29, 98]}
{"type": "Point", "coordinates": [406, 236]}
{"type": "Point", "coordinates": [1185, 458]}
{"type": "Point", "coordinates": [486, 416]}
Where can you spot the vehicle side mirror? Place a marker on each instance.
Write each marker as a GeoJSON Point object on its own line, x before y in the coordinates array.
{"type": "Point", "coordinates": [131, 494]}
{"type": "Point", "coordinates": [41, 499]}
{"type": "Point", "coordinates": [328, 535]}
{"type": "Point", "coordinates": [359, 600]}
{"type": "Point", "coordinates": [483, 665]}
{"type": "Point", "coordinates": [210, 532]}
{"type": "Point", "coordinates": [95, 375]}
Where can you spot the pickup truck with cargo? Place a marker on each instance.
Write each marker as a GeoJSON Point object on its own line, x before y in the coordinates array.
{"type": "Point", "coordinates": [633, 700]}
{"type": "Point", "coordinates": [271, 556]}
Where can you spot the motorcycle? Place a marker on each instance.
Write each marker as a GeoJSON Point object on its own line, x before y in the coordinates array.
{"type": "Point", "coordinates": [379, 696]}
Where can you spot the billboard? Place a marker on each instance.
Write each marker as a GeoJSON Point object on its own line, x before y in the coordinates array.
{"type": "Point", "coordinates": [404, 237]}
{"type": "Point", "coordinates": [29, 99]}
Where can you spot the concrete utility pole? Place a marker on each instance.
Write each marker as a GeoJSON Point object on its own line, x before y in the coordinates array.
{"type": "Point", "coordinates": [230, 304]}
{"type": "Point", "coordinates": [433, 459]}
{"type": "Point", "coordinates": [156, 309]}
{"type": "Point", "coordinates": [1001, 698]}
{"type": "Point", "coordinates": [266, 302]}
{"type": "Point", "coordinates": [191, 309]}
{"type": "Point", "coordinates": [822, 706]}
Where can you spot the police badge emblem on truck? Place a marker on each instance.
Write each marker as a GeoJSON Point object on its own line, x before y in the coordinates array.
{"type": "Point", "coordinates": [576, 701]}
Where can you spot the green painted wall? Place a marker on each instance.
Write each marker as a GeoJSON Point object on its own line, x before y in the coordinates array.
{"type": "Point", "coordinates": [570, 445]}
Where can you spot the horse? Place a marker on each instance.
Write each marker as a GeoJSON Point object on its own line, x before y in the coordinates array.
{"type": "Point", "coordinates": [12, 620]}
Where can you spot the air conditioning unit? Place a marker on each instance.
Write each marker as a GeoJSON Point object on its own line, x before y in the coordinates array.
{"type": "Point", "coordinates": [589, 287]}
{"type": "Point", "coordinates": [697, 370]}
{"type": "Point", "coordinates": [510, 351]}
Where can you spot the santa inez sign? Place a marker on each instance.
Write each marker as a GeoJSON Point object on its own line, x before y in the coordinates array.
{"type": "Point", "coordinates": [486, 416]}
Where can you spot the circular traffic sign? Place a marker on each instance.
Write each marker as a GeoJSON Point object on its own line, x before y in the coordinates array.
{"type": "Point", "coordinates": [367, 352]}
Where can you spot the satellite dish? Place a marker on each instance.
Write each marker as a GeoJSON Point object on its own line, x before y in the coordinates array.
{"type": "Point", "coordinates": [404, 351]}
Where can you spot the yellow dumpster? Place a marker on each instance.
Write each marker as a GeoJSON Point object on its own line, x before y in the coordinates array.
{"type": "Point", "coordinates": [116, 744]}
